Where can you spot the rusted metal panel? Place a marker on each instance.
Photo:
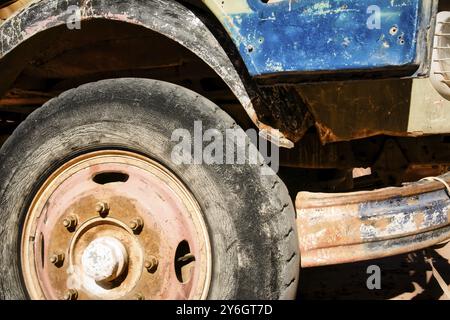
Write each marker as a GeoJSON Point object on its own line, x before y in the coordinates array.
{"type": "Point", "coordinates": [394, 107]}
{"type": "Point", "coordinates": [349, 227]}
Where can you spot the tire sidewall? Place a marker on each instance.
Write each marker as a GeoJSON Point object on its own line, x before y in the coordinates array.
{"type": "Point", "coordinates": [140, 116]}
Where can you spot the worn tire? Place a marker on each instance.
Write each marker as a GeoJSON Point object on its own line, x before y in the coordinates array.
{"type": "Point", "coordinates": [250, 216]}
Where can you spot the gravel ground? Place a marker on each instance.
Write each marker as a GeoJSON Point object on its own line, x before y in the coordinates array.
{"type": "Point", "coordinates": [405, 277]}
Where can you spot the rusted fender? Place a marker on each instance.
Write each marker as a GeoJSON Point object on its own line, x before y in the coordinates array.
{"type": "Point", "coordinates": [349, 227]}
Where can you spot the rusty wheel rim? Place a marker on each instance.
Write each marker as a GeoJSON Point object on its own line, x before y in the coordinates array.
{"type": "Point", "coordinates": [115, 225]}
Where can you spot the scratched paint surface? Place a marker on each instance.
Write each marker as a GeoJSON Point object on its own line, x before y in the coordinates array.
{"type": "Point", "coordinates": [320, 35]}
{"type": "Point", "coordinates": [397, 216]}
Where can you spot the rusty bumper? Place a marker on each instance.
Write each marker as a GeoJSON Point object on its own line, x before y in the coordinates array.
{"type": "Point", "coordinates": [350, 227]}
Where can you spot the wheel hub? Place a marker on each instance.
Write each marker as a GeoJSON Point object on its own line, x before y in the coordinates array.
{"type": "Point", "coordinates": [104, 259]}
{"type": "Point", "coordinates": [110, 225]}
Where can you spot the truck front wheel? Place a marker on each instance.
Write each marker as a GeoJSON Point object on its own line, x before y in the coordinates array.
{"type": "Point", "coordinates": [93, 205]}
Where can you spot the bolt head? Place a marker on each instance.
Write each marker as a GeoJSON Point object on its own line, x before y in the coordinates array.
{"type": "Point", "coordinates": [136, 225]}
{"type": "Point", "coordinates": [139, 296]}
{"type": "Point", "coordinates": [70, 222]}
{"type": "Point", "coordinates": [151, 264]}
{"type": "Point", "coordinates": [102, 209]}
{"type": "Point", "coordinates": [54, 259]}
{"type": "Point", "coordinates": [57, 259]}
{"type": "Point", "coordinates": [71, 294]}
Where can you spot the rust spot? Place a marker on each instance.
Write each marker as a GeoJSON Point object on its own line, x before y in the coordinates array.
{"type": "Point", "coordinates": [419, 219]}
{"type": "Point", "coordinates": [325, 133]}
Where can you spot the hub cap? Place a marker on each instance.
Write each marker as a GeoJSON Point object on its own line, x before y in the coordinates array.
{"type": "Point", "coordinates": [115, 225]}
{"type": "Point", "coordinates": [104, 259]}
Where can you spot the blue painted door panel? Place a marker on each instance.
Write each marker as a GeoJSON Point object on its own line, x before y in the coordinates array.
{"type": "Point", "coordinates": [321, 36]}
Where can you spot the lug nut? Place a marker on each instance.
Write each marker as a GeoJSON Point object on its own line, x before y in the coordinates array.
{"type": "Point", "coordinates": [151, 264]}
{"type": "Point", "coordinates": [71, 294]}
{"type": "Point", "coordinates": [57, 259]}
{"type": "Point", "coordinates": [102, 208]}
{"type": "Point", "coordinates": [136, 225]}
{"type": "Point", "coordinates": [139, 296]}
{"type": "Point", "coordinates": [70, 222]}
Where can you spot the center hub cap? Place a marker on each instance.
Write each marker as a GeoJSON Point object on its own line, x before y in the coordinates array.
{"type": "Point", "coordinates": [104, 259]}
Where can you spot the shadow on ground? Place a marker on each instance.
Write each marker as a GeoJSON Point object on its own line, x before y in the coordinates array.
{"type": "Point", "coordinates": [405, 277]}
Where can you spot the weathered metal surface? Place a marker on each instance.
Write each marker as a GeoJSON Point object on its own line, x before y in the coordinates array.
{"type": "Point", "coordinates": [395, 107]}
{"type": "Point", "coordinates": [308, 36]}
{"type": "Point", "coordinates": [341, 228]}
{"type": "Point", "coordinates": [167, 17]}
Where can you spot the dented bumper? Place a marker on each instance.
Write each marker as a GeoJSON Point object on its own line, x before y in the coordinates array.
{"type": "Point", "coordinates": [350, 227]}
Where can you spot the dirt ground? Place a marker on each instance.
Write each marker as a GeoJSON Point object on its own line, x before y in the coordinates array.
{"type": "Point", "coordinates": [405, 277]}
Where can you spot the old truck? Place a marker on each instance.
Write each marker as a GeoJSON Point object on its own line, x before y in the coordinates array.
{"type": "Point", "coordinates": [351, 96]}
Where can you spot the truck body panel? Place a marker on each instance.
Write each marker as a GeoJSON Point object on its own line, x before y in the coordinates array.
{"type": "Point", "coordinates": [286, 36]}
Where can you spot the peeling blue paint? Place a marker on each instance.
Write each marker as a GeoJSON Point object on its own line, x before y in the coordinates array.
{"type": "Point", "coordinates": [327, 35]}
{"type": "Point", "coordinates": [404, 215]}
